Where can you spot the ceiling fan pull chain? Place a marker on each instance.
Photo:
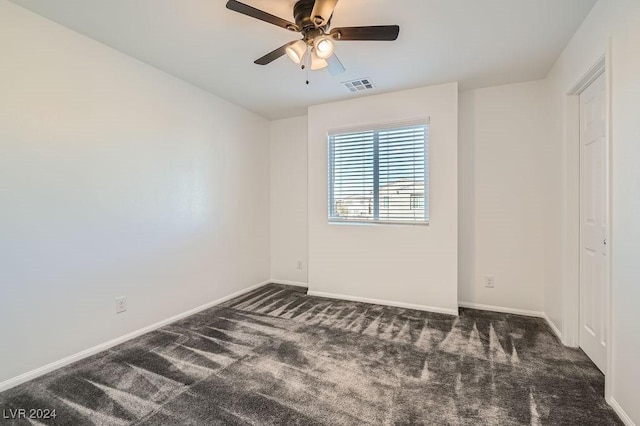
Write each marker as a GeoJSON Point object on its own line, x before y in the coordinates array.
{"type": "Point", "coordinates": [308, 63]}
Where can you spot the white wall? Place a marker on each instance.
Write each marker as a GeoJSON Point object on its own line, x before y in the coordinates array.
{"type": "Point", "coordinates": [618, 21]}
{"type": "Point", "coordinates": [407, 264]}
{"type": "Point", "coordinates": [504, 146]}
{"type": "Point", "coordinates": [115, 180]}
{"type": "Point", "coordinates": [289, 242]}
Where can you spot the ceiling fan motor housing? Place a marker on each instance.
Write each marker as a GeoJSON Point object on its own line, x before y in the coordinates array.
{"type": "Point", "coordinates": [302, 15]}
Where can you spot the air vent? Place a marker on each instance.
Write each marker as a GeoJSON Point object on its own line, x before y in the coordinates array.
{"type": "Point", "coordinates": [359, 85]}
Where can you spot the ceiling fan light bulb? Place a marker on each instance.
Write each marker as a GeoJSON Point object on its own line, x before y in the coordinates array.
{"type": "Point", "coordinates": [324, 47]}
{"type": "Point", "coordinates": [318, 63]}
{"type": "Point", "coordinates": [296, 51]}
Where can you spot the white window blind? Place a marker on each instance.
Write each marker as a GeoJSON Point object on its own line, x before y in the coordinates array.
{"type": "Point", "coordinates": [380, 176]}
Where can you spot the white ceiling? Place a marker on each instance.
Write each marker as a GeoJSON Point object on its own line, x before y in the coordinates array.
{"type": "Point", "coordinates": [479, 43]}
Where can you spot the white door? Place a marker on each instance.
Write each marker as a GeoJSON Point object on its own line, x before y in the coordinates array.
{"type": "Point", "coordinates": [594, 224]}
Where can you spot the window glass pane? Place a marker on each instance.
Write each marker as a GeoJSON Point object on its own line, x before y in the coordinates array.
{"type": "Point", "coordinates": [402, 173]}
{"type": "Point", "coordinates": [352, 176]}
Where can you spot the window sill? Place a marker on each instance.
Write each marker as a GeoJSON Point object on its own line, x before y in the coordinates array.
{"type": "Point", "coordinates": [376, 223]}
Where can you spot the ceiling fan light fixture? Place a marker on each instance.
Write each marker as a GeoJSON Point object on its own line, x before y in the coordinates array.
{"type": "Point", "coordinates": [318, 63]}
{"type": "Point", "coordinates": [324, 47]}
{"type": "Point", "coordinates": [296, 51]}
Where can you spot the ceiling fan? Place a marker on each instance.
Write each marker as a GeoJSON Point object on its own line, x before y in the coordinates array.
{"type": "Point", "coordinates": [313, 21]}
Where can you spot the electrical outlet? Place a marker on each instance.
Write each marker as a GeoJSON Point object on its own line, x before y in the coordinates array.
{"type": "Point", "coordinates": [121, 305]}
{"type": "Point", "coordinates": [299, 264]}
{"type": "Point", "coordinates": [489, 281]}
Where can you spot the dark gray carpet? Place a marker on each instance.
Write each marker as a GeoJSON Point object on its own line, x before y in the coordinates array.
{"type": "Point", "coordinates": [278, 356]}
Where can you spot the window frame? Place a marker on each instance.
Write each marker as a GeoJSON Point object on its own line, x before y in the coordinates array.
{"type": "Point", "coordinates": [376, 195]}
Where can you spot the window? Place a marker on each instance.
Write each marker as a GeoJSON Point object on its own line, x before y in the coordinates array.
{"type": "Point", "coordinates": [380, 176]}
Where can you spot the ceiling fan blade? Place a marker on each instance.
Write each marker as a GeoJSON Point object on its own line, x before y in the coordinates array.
{"type": "Point", "coordinates": [335, 66]}
{"type": "Point", "coordinates": [322, 11]}
{"type": "Point", "coordinates": [374, 33]}
{"type": "Point", "coordinates": [236, 6]}
{"type": "Point", "coordinates": [272, 56]}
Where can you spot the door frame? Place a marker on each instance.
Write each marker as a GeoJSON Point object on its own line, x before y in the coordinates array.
{"type": "Point", "coordinates": [571, 210]}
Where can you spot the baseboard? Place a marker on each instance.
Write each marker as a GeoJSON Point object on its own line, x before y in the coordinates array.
{"type": "Point", "coordinates": [385, 303]}
{"type": "Point", "coordinates": [621, 413]}
{"type": "Point", "coordinates": [553, 327]}
{"type": "Point", "coordinates": [514, 311]}
{"type": "Point", "coordinates": [501, 309]}
{"type": "Point", "coordinates": [293, 283]}
{"type": "Point", "coordinates": [30, 375]}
